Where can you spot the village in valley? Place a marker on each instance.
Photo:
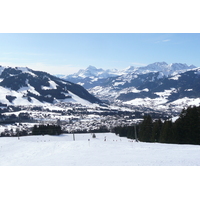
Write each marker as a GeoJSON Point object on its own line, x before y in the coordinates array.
{"type": "Point", "coordinates": [72, 117]}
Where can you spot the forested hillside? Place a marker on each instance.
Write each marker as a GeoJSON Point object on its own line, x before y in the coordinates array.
{"type": "Point", "coordinates": [185, 130]}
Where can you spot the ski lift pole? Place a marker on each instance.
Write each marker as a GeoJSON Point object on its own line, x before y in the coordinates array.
{"type": "Point", "coordinates": [73, 136]}
{"type": "Point", "coordinates": [136, 139]}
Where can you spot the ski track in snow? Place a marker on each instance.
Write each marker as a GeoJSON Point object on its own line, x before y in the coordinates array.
{"type": "Point", "coordinates": [115, 151]}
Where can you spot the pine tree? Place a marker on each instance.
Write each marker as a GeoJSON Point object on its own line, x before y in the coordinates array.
{"type": "Point", "coordinates": [156, 130]}
{"type": "Point", "coordinates": [187, 127]}
{"type": "Point", "coordinates": [192, 119]}
{"type": "Point", "coordinates": [130, 132]}
{"type": "Point", "coordinates": [191, 125]}
{"type": "Point", "coordinates": [166, 132]}
{"type": "Point", "coordinates": [145, 133]}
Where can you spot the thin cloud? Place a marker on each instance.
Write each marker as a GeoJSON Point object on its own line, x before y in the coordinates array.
{"type": "Point", "coordinates": [168, 40]}
{"type": "Point", "coordinates": [161, 41]}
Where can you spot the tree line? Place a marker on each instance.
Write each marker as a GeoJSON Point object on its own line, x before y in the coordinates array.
{"type": "Point", "coordinates": [185, 130]}
{"type": "Point", "coordinates": [46, 130]}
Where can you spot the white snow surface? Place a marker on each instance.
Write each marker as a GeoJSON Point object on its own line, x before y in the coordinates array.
{"type": "Point", "coordinates": [21, 100]}
{"type": "Point", "coordinates": [52, 85]}
{"type": "Point", "coordinates": [30, 88]}
{"type": "Point", "coordinates": [87, 151]}
{"type": "Point", "coordinates": [187, 101]}
{"type": "Point", "coordinates": [75, 99]}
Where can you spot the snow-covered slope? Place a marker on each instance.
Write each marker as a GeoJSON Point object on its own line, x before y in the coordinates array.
{"type": "Point", "coordinates": [23, 86]}
{"type": "Point", "coordinates": [87, 151]}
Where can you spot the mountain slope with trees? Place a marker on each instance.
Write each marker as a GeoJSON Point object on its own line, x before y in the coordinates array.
{"type": "Point", "coordinates": [20, 86]}
{"type": "Point", "coordinates": [185, 130]}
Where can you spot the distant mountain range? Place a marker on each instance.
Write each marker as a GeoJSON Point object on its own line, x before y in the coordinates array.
{"type": "Point", "coordinates": [23, 86]}
{"type": "Point", "coordinates": [92, 76]}
{"type": "Point", "coordinates": [158, 86]}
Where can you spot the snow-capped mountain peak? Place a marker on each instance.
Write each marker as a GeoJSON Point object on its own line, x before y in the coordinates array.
{"type": "Point", "coordinates": [154, 67]}
{"type": "Point", "coordinates": [92, 77]}
{"type": "Point", "coordinates": [166, 69]}
{"type": "Point", "coordinates": [180, 66]}
{"type": "Point", "coordinates": [92, 68]}
{"type": "Point", "coordinates": [157, 65]}
{"type": "Point", "coordinates": [92, 72]}
{"type": "Point", "coordinates": [129, 69]}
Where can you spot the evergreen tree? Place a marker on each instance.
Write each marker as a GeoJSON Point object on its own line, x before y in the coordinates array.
{"type": "Point", "coordinates": [188, 126]}
{"type": "Point", "coordinates": [46, 130]}
{"type": "Point", "coordinates": [145, 133]}
{"type": "Point", "coordinates": [192, 119]}
{"type": "Point", "coordinates": [130, 132]}
{"type": "Point", "coordinates": [166, 132]}
{"type": "Point", "coordinates": [181, 127]}
{"type": "Point", "coordinates": [156, 130]}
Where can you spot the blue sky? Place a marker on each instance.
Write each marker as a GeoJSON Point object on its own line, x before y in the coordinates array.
{"type": "Point", "coordinates": [66, 53]}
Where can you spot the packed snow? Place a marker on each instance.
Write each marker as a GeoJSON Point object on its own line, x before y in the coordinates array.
{"type": "Point", "coordinates": [106, 149]}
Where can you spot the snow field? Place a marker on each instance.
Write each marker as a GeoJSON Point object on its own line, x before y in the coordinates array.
{"type": "Point", "coordinates": [87, 151]}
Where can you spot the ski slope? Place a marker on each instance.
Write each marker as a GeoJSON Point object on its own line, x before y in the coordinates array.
{"type": "Point", "coordinates": [87, 151]}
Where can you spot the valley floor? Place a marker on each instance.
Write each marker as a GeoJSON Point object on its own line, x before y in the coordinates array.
{"type": "Point", "coordinates": [87, 151]}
